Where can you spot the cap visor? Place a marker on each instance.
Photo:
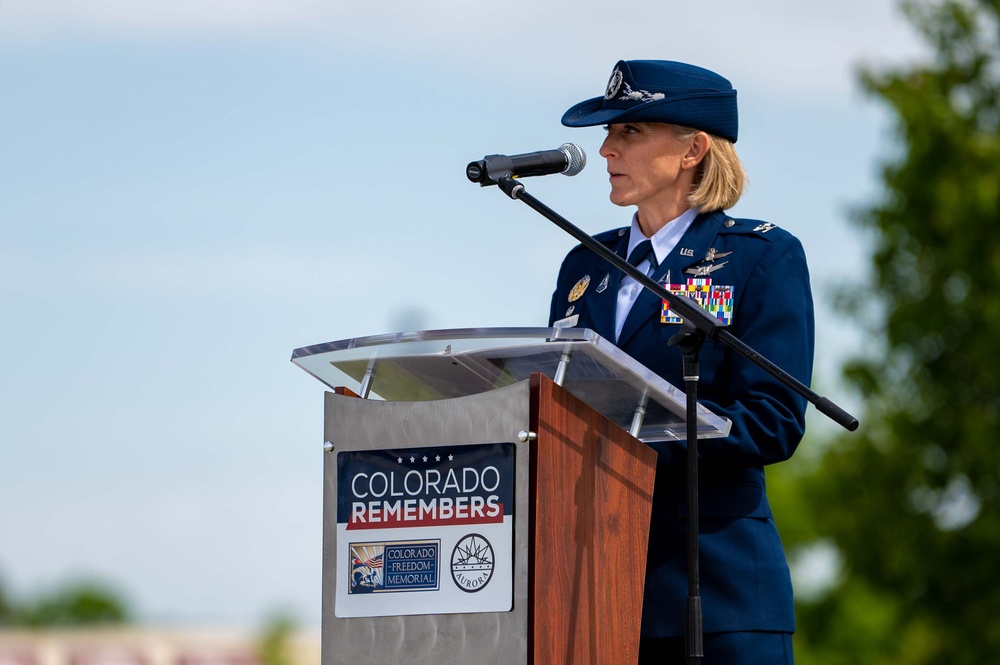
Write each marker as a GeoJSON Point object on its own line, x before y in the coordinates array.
{"type": "Point", "coordinates": [589, 113]}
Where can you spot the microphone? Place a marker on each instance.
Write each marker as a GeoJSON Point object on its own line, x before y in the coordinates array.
{"type": "Point", "coordinates": [568, 159]}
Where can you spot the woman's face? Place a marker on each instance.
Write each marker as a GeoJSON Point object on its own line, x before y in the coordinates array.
{"type": "Point", "coordinates": [648, 165]}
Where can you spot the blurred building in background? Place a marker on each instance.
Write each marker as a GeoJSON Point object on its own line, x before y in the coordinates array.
{"type": "Point", "coordinates": [150, 646]}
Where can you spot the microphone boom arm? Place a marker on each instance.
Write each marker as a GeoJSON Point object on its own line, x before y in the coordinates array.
{"type": "Point", "coordinates": [687, 309]}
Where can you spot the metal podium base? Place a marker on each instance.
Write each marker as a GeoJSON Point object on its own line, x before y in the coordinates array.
{"type": "Point", "coordinates": [353, 424]}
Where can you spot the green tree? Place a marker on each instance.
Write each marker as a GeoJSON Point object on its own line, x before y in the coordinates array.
{"type": "Point", "coordinates": [274, 642]}
{"type": "Point", "coordinates": [6, 612]}
{"type": "Point", "coordinates": [912, 500]}
{"type": "Point", "coordinates": [80, 603]}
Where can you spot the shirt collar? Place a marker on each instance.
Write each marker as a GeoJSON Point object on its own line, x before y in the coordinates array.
{"type": "Point", "coordinates": [666, 238]}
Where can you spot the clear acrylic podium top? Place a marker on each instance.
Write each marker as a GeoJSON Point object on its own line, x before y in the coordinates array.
{"type": "Point", "coordinates": [441, 364]}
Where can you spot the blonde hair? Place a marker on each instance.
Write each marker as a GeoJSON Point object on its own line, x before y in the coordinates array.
{"type": "Point", "coordinates": [720, 179]}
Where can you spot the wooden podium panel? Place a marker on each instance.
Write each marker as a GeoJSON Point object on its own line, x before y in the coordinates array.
{"type": "Point", "coordinates": [592, 497]}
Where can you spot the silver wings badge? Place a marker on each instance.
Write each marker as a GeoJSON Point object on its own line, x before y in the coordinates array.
{"type": "Point", "coordinates": [705, 270]}
{"type": "Point", "coordinates": [708, 265]}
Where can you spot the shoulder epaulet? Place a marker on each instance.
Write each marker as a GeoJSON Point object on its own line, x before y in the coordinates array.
{"type": "Point", "coordinates": [754, 227]}
{"type": "Point", "coordinates": [607, 238]}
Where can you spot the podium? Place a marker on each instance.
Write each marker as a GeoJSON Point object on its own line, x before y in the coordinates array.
{"type": "Point", "coordinates": [487, 495]}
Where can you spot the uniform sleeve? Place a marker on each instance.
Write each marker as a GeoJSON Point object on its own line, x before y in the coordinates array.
{"type": "Point", "coordinates": [775, 318]}
{"type": "Point", "coordinates": [552, 305]}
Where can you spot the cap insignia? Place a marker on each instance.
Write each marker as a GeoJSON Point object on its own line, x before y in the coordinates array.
{"type": "Point", "coordinates": [614, 84]}
{"type": "Point", "coordinates": [630, 95]}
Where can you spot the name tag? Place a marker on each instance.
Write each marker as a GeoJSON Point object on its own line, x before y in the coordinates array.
{"type": "Point", "coordinates": [568, 322]}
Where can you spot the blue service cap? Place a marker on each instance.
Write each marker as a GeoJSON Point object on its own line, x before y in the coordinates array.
{"type": "Point", "coordinates": [662, 91]}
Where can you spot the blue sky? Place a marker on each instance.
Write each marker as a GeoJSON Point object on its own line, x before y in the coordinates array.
{"type": "Point", "coordinates": [189, 190]}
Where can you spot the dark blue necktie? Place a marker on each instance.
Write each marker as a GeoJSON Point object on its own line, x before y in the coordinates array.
{"type": "Point", "coordinates": [642, 251]}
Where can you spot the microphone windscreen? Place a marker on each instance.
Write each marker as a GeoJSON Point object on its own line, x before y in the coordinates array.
{"type": "Point", "coordinates": [575, 156]}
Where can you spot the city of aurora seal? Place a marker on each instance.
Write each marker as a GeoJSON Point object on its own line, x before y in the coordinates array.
{"type": "Point", "coordinates": [472, 563]}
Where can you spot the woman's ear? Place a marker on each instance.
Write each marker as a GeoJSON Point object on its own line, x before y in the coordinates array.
{"type": "Point", "coordinates": [697, 150]}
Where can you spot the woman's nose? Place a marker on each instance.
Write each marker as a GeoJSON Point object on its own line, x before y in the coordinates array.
{"type": "Point", "coordinates": [607, 148]}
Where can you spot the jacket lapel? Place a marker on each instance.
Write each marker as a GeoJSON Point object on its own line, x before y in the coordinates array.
{"type": "Point", "coordinates": [602, 304]}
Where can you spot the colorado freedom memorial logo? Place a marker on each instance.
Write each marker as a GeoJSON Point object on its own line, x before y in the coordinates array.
{"type": "Point", "coordinates": [472, 563]}
{"type": "Point", "coordinates": [407, 565]}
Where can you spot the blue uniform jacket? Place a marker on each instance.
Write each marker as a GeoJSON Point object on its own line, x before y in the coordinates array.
{"type": "Point", "coordinates": [745, 584]}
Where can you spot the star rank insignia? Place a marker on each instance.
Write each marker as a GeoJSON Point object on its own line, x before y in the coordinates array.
{"type": "Point", "coordinates": [764, 228]}
{"type": "Point", "coordinates": [579, 288]}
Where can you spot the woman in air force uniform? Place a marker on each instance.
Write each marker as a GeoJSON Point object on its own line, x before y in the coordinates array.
{"type": "Point", "coordinates": [669, 150]}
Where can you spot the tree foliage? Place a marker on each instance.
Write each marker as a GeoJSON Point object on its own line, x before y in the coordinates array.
{"type": "Point", "coordinates": [912, 500]}
{"type": "Point", "coordinates": [6, 611]}
{"type": "Point", "coordinates": [79, 603]}
{"type": "Point", "coordinates": [274, 642]}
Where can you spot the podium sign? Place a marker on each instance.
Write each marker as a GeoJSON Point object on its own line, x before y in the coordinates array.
{"type": "Point", "coordinates": [426, 530]}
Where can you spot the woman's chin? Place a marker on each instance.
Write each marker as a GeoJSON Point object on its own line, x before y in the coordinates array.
{"type": "Point", "coordinates": [620, 199]}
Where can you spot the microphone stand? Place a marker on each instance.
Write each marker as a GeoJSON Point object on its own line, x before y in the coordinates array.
{"type": "Point", "coordinates": [698, 326]}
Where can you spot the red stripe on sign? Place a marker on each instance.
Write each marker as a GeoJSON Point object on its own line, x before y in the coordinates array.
{"type": "Point", "coordinates": [367, 518]}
